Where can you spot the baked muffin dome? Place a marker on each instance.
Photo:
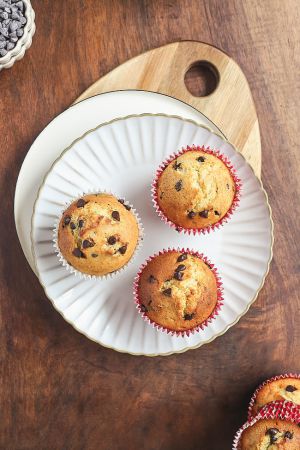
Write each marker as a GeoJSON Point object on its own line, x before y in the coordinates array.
{"type": "Point", "coordinates": [177, 291]}
{"type": "Point", "coordinates": [98, 234]}
{"type": "Point", "coordinates": [271, 434]}
{"type": "Point", "coordinates": [279, 389]}
{"type": "Point", "coordinates": [195, 190]}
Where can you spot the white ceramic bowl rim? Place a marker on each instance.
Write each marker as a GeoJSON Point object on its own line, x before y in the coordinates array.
{"type": "Point", "coordinates": [29, 29]}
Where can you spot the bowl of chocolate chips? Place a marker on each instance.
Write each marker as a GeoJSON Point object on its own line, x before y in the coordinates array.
{"type": "Point", "coordinates": [16, 30]}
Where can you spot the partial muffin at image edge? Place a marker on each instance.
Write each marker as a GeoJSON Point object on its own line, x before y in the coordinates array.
{"type": "Point", "coordinates": [269, 432]}
{"type": "Point", "coordinates": [276, 426]}
{"type": "Point", "coordinates": [178, 291]}
{"type": "Point", "coordinates": [97, 234]}
{"type": "Point", "coordinates": [196, 190]}
{"type": "Point", "coordinates": [282, 387]}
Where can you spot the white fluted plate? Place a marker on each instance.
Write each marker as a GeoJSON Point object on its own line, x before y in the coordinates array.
{"type": "Point", "coordinates": [122, 156]}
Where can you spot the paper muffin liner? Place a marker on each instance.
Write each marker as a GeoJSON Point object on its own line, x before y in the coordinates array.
{"type": "Point", "coordinates": [213, 315]}
{"type": "Point", "coordinates": [209, 228]}
{"type": "Point", "coordinates": [278, 377]}
{"type": "Point", "coordinates": [281, 409]}
{"type": "Point", "coordinates": [72, 269]}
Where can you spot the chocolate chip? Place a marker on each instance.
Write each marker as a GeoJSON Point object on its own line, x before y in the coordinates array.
{"type": "Point", "coordinates": [189, 316]}
{"type": "Point", "coordinates": [94, 255]}
{"type": "Point", "coordinates": [128, 207]}
{"type": "Point", "coordinates": [10, 46]}
{"type": "Point", "coordinates": [178, 185]}
{"type": "Point", "coordinates": [272, 433]}
{"type": "Point", "coordinates": [290, 388]}
{"type": "Point", "coordinates": [20, 5]}
{"type": "Point", "coordinates": [86, 243]}
{"type": "Point", "coordinates": [191, 214]}
{"type": "Point", "coordinates": [4, 31]}
{"type": "Point", "coordinates": [67, 220]}
{"type": "Point", "coordinates": [78, 253]}
{"type": "Point", "coordinates": [217, 213]}
{"type": "Point", "coordinates": [151, 279]}
{"type": "Point", "coordinates": [14, 25]}
{"type": "Point", "coordinates": [167, 292]}
{"type": "Point", "coordinates": [180, 268]}
{"type": "Point", "coordinates": [81, 223]}
{"type": "Point", "coordinates": [204, 213]}
{"type": "Point", "coordinates": [143, 308]}
{"type": "Point", "coordinates": [123, 249]}
{"type": "Point", "coordinates": [72, 226]}
{"type": "Point", "coordinates": [182, 257]}
{"type": "Point", "coordinates": [15, 16]}
{"type": "Point", "coordinates": [80, 203]}
{"type": "Point", "coordinates": [288, 435]}
{"type": "Point", "coordinates": [227, 185]}
{"type": "Point", "coordinates": [178, 276]}
{"type": "Point", "coordinates": [112, 240]}
{"type": "Point", "coordinates": [201, 159]}
{"type": "Point", "coordinates": [115, 215]}
{"type": "Point", "coordinates": [20, 32]}
{"type": "Point", "coordinates": [177, 166]}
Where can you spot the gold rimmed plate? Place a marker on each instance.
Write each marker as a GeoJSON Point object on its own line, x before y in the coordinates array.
{"type": "Point", "coordinates": [122, 156]}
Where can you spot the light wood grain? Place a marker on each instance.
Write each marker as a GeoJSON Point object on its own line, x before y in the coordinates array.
{"type": "Point", "coordinates": [58, 390]}
{"type": "Point", "coordinates": [163, 69]}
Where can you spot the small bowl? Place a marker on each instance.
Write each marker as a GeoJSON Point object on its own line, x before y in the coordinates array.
{"type": "Point", "coordinates": [24, 42]}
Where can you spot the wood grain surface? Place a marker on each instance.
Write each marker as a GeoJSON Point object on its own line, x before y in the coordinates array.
{"type": "Point", "coordinates": [59, 391]}
{"type": "Point", "coordinates": [230, 105]}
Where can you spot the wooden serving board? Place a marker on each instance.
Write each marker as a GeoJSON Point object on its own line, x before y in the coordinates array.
{"type": "Point", "coordinates": [163, 69]}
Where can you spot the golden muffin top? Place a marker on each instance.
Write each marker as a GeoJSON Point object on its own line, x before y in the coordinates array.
{"type": "Point", "coordinates": [177, 290]}
{"type": "Point", "coordinates": [195, 190]}
{"type": "Point", "coordinates": [98, 234]}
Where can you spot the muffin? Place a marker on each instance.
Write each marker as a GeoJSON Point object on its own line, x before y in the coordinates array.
{"type": "Point", "coordinates": [178, 291]}
{"type": "Point", "coordinates": [271, 434]}
{"type": "Point", "coordinates": [98, 234]}
{"type": "Point", "coordinates": [286, 387]}
{"type": "Point", "coordinates": [195, 190]}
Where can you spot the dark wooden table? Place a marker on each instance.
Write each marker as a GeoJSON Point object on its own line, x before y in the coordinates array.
{"type": "Point", "coordinates": [60, 391]}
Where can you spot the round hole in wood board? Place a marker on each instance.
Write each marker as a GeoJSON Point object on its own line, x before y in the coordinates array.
{"type": "Point", "coordinates": [201, 79]}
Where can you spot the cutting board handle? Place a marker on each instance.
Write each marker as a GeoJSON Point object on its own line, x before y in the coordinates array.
{"type": "Point", "coordinates": [163, 70]}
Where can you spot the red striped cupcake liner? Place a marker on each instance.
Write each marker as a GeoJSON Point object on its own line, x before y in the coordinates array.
{"type": "Point", "coordinates": [209, 228]}
{"type": "Point", "coordinates": [282, 410]}
{"type": "Point", "coordinates": [278, 377]}
{"type": "Point", "coordinates": [213, 315]}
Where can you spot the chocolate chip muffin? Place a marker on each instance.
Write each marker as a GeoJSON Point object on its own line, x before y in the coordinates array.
{"type": "Point", "coordinates": [287, 388]}
{"type": "Point", "coordinates": [98, 234]}
{"type": "Point", "coordinates": [271, 434]}
{"type": "Point", "coordinates": [177, 290]}
{"type": "Point", "coordinates": [195, 190]}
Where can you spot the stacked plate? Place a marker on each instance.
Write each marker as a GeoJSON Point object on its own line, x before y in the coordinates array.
{"type": "Point", "coordinates": [115, 141]}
